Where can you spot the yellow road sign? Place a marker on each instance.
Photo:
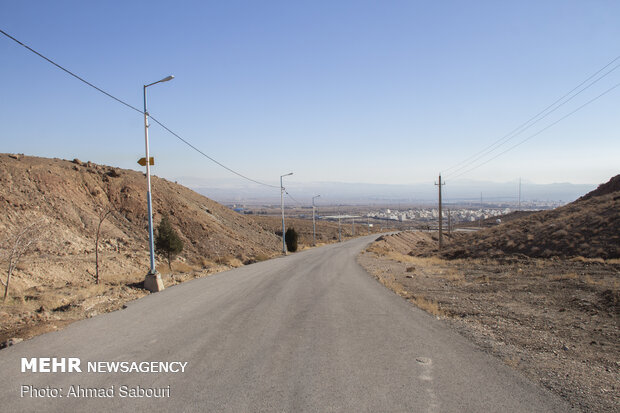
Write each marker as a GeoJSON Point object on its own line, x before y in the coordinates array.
{"type": "Point", "coordinates": [142, 161]}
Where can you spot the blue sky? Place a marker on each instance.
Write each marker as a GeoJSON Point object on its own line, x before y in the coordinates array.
{"type": "Point", "coordinates": [347, 91]}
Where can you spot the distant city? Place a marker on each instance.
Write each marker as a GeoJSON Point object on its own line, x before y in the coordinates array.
{"type": "Point", "coordinates": [407, 215]}
{"type": "Point", "coordinates": [458, 213]}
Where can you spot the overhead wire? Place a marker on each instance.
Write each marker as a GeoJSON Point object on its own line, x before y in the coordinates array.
{"type": "Point", "coordinates": [208, 157]}
{"type": "Point", "coordinates": [539, 132]}
{"type": "Point", "coordinates": [137, 110]}
{"type": "Point", "coordinates": [533, 120]}
{"type": "Point", "coordinates": [71, 73]}
{"type": "Point", "coordinates": [293, 199]}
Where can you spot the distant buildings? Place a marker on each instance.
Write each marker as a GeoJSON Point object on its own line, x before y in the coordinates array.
{"type": "Point", "coordinates": [432, 214]}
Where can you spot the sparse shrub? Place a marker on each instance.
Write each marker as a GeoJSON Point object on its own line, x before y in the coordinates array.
{"type": "Point", "coordinates": [15, 246]}
{"type": "Point", "coordinates": [428, 305]}
{"type": "Point", "coordinates": [167, 241]}
{"type": "Point", "coordinates": [223, 260]}
{"type": "Point", "coordinates": [205, 263]}
{"type": "Point", "coordinates": [291, 239]}
{"type": "Point", "coordinates": [261, 257]}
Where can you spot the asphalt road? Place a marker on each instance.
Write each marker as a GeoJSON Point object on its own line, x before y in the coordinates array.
{"type": "Point", "coordinates": [312, 332]}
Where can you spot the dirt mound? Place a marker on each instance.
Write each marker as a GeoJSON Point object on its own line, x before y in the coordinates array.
{"type": "Point", "coordinates": [588, 227]}
{"type": "Point", "coordinates": [613, 185]}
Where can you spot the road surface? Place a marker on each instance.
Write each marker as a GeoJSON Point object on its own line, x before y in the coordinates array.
{"type": "Point", "coordinates": [311, 332]}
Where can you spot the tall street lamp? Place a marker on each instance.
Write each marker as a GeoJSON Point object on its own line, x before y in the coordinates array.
{"type": "Point", "coordinates": [339, 227]}
{"type": "Point", "coordinates": [313, 224]}
{"type": "Point", "coordinates": [282, 207]}
{"type": "Point", "coordinates": [153, 281]}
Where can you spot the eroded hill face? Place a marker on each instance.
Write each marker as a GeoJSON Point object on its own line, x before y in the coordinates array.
{"type": "Point", "coordinates": [613, 185]}
{"type": "Point", "coordinates": [588, 227]}
{"type": "Point", "coordinates": [54, 283]}
{"type": "Point", "coordinates": [67, 197]}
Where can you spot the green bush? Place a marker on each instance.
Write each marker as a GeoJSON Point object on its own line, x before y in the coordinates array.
{"type": "Point", "coordinates": [167, 241]}
{"type": "Point", "coordinates": [291, 239]}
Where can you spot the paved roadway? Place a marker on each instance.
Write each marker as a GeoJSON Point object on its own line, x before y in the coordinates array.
{"type": "Point", "coordinates": [311, 332]}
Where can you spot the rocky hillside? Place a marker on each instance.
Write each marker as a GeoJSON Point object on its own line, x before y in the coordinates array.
{"type": "Point", "coordinates": [588, 227]}
{"type": "Point", "coordinates": [613, 185]}
{"type": "Point", "coordinates": [67, 197]}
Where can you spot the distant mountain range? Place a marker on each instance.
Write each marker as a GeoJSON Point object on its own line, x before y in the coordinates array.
{"type": "Point", "coordinates": [378, 194]}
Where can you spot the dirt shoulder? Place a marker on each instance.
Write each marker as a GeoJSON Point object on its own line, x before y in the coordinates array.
{"type": "Point", "coordinates": [554, 320]}
{"type": "Point", "coordinates": [53, 303]}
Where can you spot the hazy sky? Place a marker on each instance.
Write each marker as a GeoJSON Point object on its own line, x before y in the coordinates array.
{"type": "Point", "coordinates": [348, 91]}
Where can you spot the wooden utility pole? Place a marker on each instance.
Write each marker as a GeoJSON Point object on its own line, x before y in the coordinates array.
{"type": "Point", "coordinates": [481, 212]}
{"type": "Point", "coordinates": [519, 207]}
{"type": "Point", "coordinates": [440, 214]}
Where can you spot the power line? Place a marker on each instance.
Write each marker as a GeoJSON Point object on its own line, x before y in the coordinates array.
{"type": "Point", "coordinates": [533, 120]}
{"type": "Point", "coordinates": [290, 196]}
{"type": "Point", "coordinates": [540, 131]}
{"type": "Point", "coordinates": [71, 73]}
{"type": "Point", "coordinates": [208, 157]}
{"type": "Point", "coordinates": [136, 109]}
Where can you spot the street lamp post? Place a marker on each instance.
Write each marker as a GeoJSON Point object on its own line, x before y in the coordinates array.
{"type": "Point", "coordinates": [282, 208]}
{"type": "Point", "coordinates": [313, 223]}
{"type": "Point", "coordinates": [339, 227]}
{"type": "Point", "coordinates": [153, 281]}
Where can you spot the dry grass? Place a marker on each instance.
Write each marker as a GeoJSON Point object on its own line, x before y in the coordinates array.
{"type": "Point", "coordinates": [584, 259]}
{"type": "Point", "coordinates": [393, 285]}
{"type": "Point", "coordinates": [564, 277]}
{"type": "Point", "coordinates": [177, 267]}
{"type": "Point", "coordinates": [261, 257]}
{"type": "Point", "coordinates": [454, 275]}
{"type": "Point", "coordinates": [512, 361]}
{"type": "Point", "coordinates": [384, 251]}
{"type": "Point", "coordinates": [430, 306]}
{"type": "Point", "coordinates": [206, 263]}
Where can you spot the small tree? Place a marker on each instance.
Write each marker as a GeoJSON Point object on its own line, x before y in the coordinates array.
{"type": "Point", "coordinates": [103, 214]}
{"type": "Point", "coordinates": [291, 239]}
{"type": "Point", "coordinates": [167, 241]}
{"type": "Point", "coordinates": [22, 242]}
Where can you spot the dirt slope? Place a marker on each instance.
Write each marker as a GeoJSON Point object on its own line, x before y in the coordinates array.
{"type": "Point", "coordinates": [613, 185]}
{"type": "Point", "coordinates": [588, 227]}
{"type": "Point", "coordinates": [69, 194]}
{"type": "Point", "coordinates": [54, 283]}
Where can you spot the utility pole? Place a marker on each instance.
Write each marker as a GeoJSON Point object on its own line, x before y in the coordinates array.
{"type": "Point", "coordinates": [313, 222]}
{"type": "Point", "coordinates": [480, 220]}
{"type": "Point", "coordinates": [339, 227]}
{"type": "Point", "coordinates": [353, 228]}
{"type": "Point", "coordinates": [440, 214]}
{"type": "Point", "coordinates": [519, 207]}
{"type": "Point", "coordinates": [282, 207]}
{"type": "Point", "coordinates": [449, 222]}
{"type": "Point", "coordinates": [368, 224]}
